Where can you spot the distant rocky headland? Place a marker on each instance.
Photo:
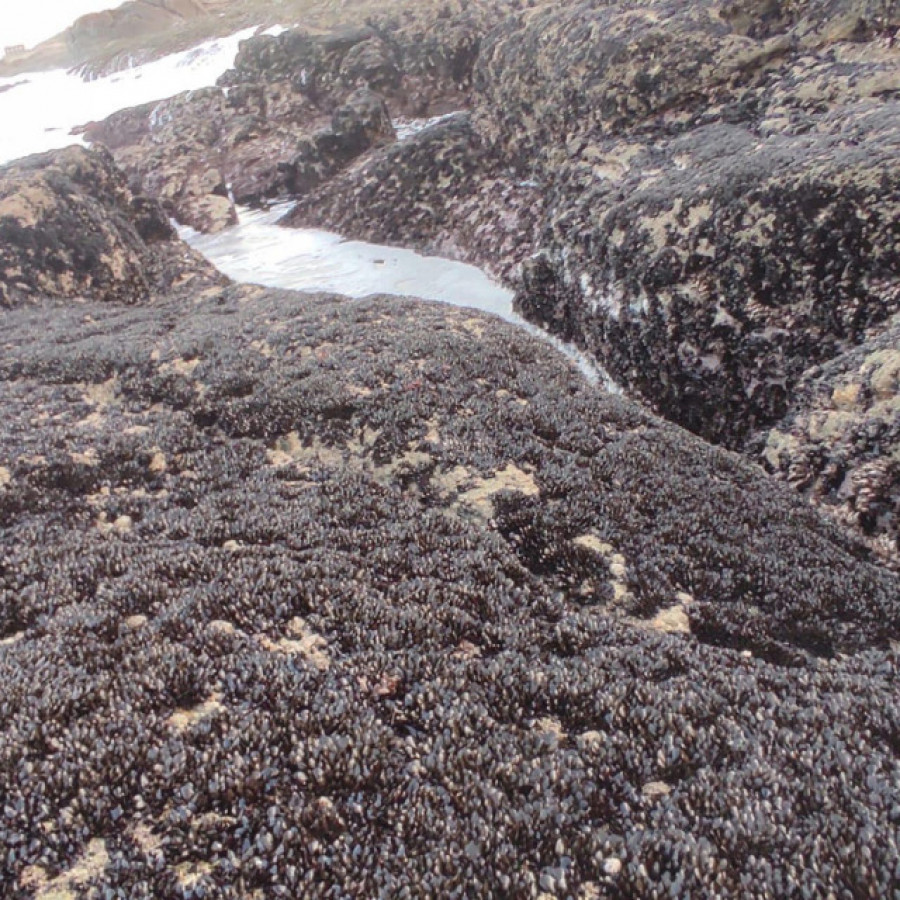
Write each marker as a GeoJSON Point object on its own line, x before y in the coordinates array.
{"type": "Point", "coordinates": [305, 596]}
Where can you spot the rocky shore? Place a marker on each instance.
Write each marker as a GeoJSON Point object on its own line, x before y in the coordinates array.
{"type": "Point", "coordinates": [703, 195]}
{"type": "Point", "coordinates": [305, 596]}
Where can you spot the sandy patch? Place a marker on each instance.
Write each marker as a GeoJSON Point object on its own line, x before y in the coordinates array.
{"type": "Point", "coordinates": [183, 719]}
{"type": "Point", "coordinates": [479, 498]}
{"type": "Point", "coordinates": [65, 886]}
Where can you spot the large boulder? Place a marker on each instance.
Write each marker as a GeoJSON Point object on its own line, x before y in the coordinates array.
{"type": "Point", "coordinates": [722, 192]}
{"type": "Point", "coordinates": [201, 151]}
{"type": "Point", "coordinates": [709, 270]}
{"type": "Point", "coordinates": [421, 59]}
{"type": "Point", "coordinates": [198, 150]}
{"type": "Point", "coordinates": [310, 63]}
{"type": "Point", "coordinates": [71, 228]}
{"type": "Point", "coordinates": [272, 562]}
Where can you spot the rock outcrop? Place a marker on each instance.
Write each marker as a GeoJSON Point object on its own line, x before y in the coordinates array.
{"type": "Point", "coordinates": [201, 151]}
{"type": "Point", "coordinates": [703, 195]}
{"type": "Point", "coordinates": [294, 111]}
{"type": "Point", "coordinates": [724, 206]}
{"type": "Point", "coordinates": [421, 61]}
{"type": "Point", "coordinates": [307, 596]}
{"type": "Point", "coordinates": [723, 200]}
{"type": "Point", "coordinates": [71, 228]}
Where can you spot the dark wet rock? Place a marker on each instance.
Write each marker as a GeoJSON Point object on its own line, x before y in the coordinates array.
{"type": "Point", "coordinates": [8, 87]}
{"type": "Point", "coordinates": [356, 126]}
{"type": "Point", "coordinates": [294, 110]}
{"type": "Point", "coordinates": [121, 129]}
{"type": "Point", "coordinates": [371, 64]}
{"type": "Point", "coordinates": [200, 151]}
{"type": "Point", "coordinates": [421, 61]}
{"type": "Point", "coordinates": [71, 228]}
{"type": "Point", "coordinates": [306, 596]}
{"type": "Point", "coordinates": [840, 442]}
{"type": "Point", "coordinates": [310, 63]}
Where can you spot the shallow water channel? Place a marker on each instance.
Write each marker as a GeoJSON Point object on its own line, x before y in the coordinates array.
{"type": "Point", "coordinates": [259, 251]}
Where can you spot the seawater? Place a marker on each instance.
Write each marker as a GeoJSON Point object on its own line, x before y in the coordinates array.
{"type": "Point", "coordinates": [39, 110]}
{"type": "Point", "coordinates": [259, 251]}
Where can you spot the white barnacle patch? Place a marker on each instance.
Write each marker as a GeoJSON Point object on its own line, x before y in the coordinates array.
{"type": "Point", "coordinates": [183, 719]}
{"type": "Point", "coordinates": [88, 457]}
{"type": "Point", "coordinates": [479, 497]}
{"type": "Point", "coordinates": [157, 464]}
{"type": "Point", "coordinates": [189, 873]}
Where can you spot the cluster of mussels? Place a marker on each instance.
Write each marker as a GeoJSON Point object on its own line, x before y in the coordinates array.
{"type": "Point", "coordinates": [303, 597]}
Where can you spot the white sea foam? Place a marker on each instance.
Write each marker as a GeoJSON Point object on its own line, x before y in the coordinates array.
{"type": "Point", "coordinates": [40, 109]}
{"type": "Point", "coordinates": [259, 251]}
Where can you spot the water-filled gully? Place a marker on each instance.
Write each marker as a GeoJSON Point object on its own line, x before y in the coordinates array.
{"type": "Point", "coordinates": [258, 250]}
{"type": "Point", "coordinates": [49, 107]}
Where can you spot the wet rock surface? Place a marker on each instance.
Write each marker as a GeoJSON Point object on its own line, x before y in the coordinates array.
{"type": "Point", "coordinates": [294, 111]}
{"type": "Point", "coordinates": [440, 190]}
{"type": "Point", "coordinates": [289, 580]}
{"type": "Point", "coordinates": [300, 595]}
{"type": "Point", "coordinates": [70, 227]}
{"type": "Point", "coordinates": [703, 195]}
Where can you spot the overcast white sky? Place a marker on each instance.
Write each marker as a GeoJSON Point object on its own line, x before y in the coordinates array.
{"type": "Point", "coordinates": [33, 21]}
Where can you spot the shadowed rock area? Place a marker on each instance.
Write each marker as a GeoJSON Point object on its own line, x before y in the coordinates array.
{"type": "Point", "coordinates": [301, 596]}
{"type": "Point", "coordinates": [70, 227]}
